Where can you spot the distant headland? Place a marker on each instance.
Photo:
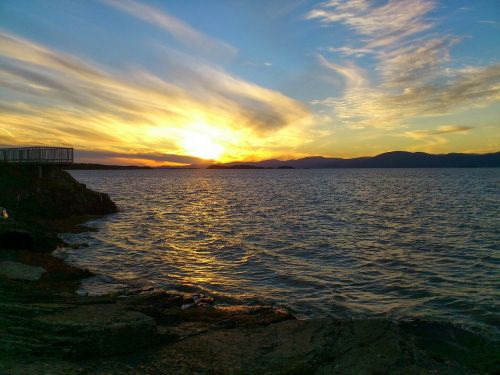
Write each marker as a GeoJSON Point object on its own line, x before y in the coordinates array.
{"type": "Point", "coordinates": [393, 159]}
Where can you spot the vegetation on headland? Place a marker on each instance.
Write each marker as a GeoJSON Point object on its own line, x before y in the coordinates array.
{"type": "Point", "coordinates": [46, 328]}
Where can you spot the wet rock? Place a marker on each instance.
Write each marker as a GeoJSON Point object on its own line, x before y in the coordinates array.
{"type": "Point", "coordinates": [20, 271]}
{"type": "Point", "coordinates": [200, 299]}
{"type": "Point", "coordinates": [155, 299]}
{"type": "Point", "coordinates": [57, 270]}
{"type": "Point", "coordinates": [235, 316]}
{"type": "Point", "coordinates": [197, 300]}
{"type": "Point", "coordinates": [161, 305]}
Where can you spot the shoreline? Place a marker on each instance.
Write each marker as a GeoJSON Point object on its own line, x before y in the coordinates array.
{"type": "Point", "coordinates": [45, 325]}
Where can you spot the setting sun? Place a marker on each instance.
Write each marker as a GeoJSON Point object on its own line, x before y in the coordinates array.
{"type": "Point", "coordinates": [202, 146]}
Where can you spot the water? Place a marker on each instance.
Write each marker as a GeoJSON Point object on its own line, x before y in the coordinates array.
{"type": "Point", "coordinates": [416, 243]}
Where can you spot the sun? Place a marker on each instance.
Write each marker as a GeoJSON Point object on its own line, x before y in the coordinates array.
{"type": "Point", "coordinates": [201, 146]}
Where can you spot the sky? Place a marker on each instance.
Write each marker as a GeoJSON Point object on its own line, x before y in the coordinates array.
{"type": "Point", "coordinates": [178, 82]}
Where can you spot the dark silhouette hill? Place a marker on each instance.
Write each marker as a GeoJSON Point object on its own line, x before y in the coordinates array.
{"type": "Point", "coordinates": [394, 159]}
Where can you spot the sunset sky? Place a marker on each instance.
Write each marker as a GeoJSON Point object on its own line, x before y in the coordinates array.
{"type": "Point", "coordinates": [168, 82]}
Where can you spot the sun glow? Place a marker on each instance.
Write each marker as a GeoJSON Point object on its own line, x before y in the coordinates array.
{"type": "Point", "coordinates": [202, 146]}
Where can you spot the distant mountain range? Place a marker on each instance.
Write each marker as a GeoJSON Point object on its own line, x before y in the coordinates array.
{"type": "Point", "coordinates": [395, 159]}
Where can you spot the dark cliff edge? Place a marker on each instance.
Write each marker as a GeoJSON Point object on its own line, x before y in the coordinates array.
{"type": "Point", "coordinates": [54, 195]}
{"type": "Point", "coordinates": [42, 202]}
{"type": "Point", "coordinates": [45, 327]}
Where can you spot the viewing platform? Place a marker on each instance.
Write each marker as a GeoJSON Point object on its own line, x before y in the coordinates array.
{"type": "Point", "coordinates": [37, 155]}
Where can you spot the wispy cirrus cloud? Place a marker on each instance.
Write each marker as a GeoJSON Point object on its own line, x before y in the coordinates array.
{"type": "Point", "coordinates": [441, 130]}
{"type": "Point", "coordinates": [399, 98]}
{"type": "Point", "coordinates": [413, 75]}
{"type": "Point", "coordinates": [380, 25]}
{"type": "Point", "coordinates": [181, 31]}
{"type": "Point", "coordinates": [490, 22]}
{"type": "Point", "coordinates": [415, 61]}
{"type": "Point", "coordinates": [350, 51]}
{"type": "Point", "coordinates": [354, 76]}
{"type": "Point", "coordinates": [432, 139]}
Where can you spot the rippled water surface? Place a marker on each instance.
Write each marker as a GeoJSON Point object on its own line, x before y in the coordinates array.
{"type": "Point", "coordinates": [366, 242]}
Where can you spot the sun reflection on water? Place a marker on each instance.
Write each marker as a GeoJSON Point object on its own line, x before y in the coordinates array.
{"type": "Point", "coordinates": [332, 242]}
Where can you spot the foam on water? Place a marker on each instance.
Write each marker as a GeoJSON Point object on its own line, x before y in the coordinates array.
{"type": "Point", "coordinates": [420, 243]}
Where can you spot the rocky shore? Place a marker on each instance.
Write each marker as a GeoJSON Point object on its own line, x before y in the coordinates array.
{"type": "Point", "coordinates": [46, 328]}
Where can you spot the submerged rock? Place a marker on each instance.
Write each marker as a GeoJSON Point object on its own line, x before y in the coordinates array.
{"type": "Point", "coordinates": [20, 271]}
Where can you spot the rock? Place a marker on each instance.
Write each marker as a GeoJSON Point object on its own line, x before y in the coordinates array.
{"type": "Point", "coordinates": [57, 195]}
{"type": "Point", "coordinates": [197, 300]}
{"type": "Point", "coordinates": [15, 235]}
{"type": "Point", "coordinates": [57, 270]}
{"type": "Point", "coordinates": [153, 298]}
{"type": "Point", "coordinates": [16, 240]}
{"type": "Point", "coordinates": [162, 306]}
{"type": "Point", "coordinates": [20, 271]}
{"type": "Point", "coordinates": [281, 348]}
{"type": "Point", "coordinates": [97, 330]}
{"type": "Point", "coordinates": [235, 316]}
{"type": "Point", "coordinates": [301, 347]}
{"type": "Point", "coordinates": [187, 306]}
{"type": "Point", "coordinates": [201, 299]}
